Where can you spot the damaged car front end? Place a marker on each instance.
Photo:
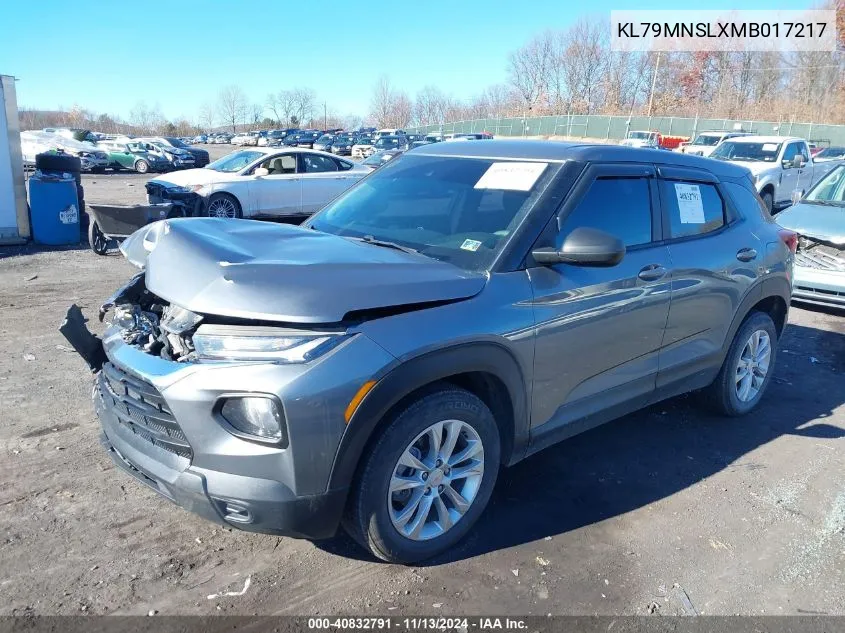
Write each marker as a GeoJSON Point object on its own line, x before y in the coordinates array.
{"type": "Point", "coordinates": [819, 220]}
{"type": "Point", "coordinates": [224, 395]}
{"type": "Point", "coordinates": [160, 192]}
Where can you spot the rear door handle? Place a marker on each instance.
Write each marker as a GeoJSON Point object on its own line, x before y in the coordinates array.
{"type": "Point", "coordinates": [652, 272]}
{"type": "Point", "coordinates": [746, 254]}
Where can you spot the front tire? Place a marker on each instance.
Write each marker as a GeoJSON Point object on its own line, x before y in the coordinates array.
{"type": "Point", "coordinates": [142, 166]}
{"type": "Point", "coordinates": [747, 369]}
{"type": "Point", "coordinates": [427, 479]}
{"type": "Point", "coordinates": [223, 205]}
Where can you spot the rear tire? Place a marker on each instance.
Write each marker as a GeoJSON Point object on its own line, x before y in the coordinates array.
{"type": "Point", "coordinates": [743, 367]}
{"type": "Point", "coordinates": [442, 502]}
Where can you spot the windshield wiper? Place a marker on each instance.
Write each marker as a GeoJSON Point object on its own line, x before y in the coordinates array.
{"type": "Point", "coordinates": [369, 239]}
{"type": "Point", "coordinates": [826, 203]}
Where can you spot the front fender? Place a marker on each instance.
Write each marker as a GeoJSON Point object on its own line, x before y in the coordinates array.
{"type": "Point", "coordinates": [413, 374]}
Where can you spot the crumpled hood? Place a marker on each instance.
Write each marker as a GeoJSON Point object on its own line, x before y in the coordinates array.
{"type": "Point", "coordinates": [188, 177]}
{"type": "Point", "coordinates": [277, 272]}
{"type": "Point", "coordinates": [822, 222]}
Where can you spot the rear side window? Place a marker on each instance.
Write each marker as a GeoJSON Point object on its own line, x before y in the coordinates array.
{"type": "Point", "coordinates": [748, 202]}
{"type": "Point", "coordinates": [619, 206]}
{"type": "Point", "coordinates": [694, 208]}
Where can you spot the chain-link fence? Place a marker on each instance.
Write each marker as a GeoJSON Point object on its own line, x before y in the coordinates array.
{"type": "Point", "coordinates": [616, 127]}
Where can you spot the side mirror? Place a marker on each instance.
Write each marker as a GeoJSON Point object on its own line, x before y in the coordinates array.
{"type": "Point", "coordinates": [260, 171]}
{"type": "Point", "coordinates": [584, 247]}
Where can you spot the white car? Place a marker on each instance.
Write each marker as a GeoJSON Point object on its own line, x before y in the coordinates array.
{"type": "Point", "coordinates": [245, 138]}
{"type": "Point", "coordinates": [706, 142]}
{"type": "Point", "coordinates": [262, 182]}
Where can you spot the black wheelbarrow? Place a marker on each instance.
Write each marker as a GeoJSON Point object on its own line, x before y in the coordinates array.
{"type": "Point", "coordinates": [113, 223]}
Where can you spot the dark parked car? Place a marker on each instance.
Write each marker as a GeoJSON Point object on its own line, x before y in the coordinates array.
{"type": "Point", "coordinates": [171, 144]}
{"type": "Point", "coordinates": [463, 307]}
{"type": "Point", "coordinates": [391, 142]}
{"type": "Point", "coordinates": [324, 143]}
{"type": "Point", "coordinates": [342, 144]}
{"type": "Point", "coordinates": [306, 138]}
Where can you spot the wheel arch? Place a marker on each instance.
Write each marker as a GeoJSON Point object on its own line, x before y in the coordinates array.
{"type": "Point", "coordinates": [772, 297]}
{"type": "Point", "coordinates": [226, 192]}
{"type": "Point", "coordinates": [487, 370]}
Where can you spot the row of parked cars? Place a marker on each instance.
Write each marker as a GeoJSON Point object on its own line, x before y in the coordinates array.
{"type": "Point", "coordinates": [98, 152]}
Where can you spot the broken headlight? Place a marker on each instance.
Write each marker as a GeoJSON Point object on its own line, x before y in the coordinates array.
{"type": "Point", "coordinates": [268, 344]}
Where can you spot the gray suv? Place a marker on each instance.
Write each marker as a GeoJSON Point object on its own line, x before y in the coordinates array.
{"type": "Point", "coordinates": [463, 307]}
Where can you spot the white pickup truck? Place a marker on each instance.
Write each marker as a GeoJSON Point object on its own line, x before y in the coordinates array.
{"type": "Point", "coordinates": [780, 165]}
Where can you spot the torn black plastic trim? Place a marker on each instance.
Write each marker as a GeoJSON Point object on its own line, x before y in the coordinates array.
{"type": "Point", "coordinates": [89, 346]}
{"type": "Point", "coordinates": [129, 293]}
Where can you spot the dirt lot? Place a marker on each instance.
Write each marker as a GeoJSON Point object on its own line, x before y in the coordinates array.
{"type": "Point", "coordinates": [668, 511]}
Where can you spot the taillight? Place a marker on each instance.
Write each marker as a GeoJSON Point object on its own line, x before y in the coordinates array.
{"type": "Point", "coordinates": [790, 238]}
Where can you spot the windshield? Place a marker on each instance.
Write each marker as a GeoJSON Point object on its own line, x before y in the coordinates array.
{"type": "Point", "coordinates": [342, 139]}
{"type": "Point", "coordinates": [640, 135]}
{"type": "Point", "coordinates": [831, 152]}
{"type": "Point", "coordinates": [388, 142]}
{"type": "Point", "coordinates": [364, 141]}
{"type": "Point", "coordinates": [325, 138]}
{"type": "Point", "coordinates": [830, 189]}
{"type": "Point", "coordinates": [706, 139]}
{"type": "Point", "coordinates": [734, 150]}
{"type": "Point", "coordinates": [175, 142]}
{"type": "Point", "coordinates": [451, 209]}
{"type": "Point", "coordinates": [234, 162]}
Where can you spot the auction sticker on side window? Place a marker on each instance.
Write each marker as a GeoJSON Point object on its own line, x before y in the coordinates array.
{"type": "Point", "coordinates": [689, 203]}
{"type": "Point", "coordinates": [511, 176]}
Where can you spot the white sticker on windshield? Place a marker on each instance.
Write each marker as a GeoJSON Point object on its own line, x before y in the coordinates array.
{"type": "Point", "coordinates": [689, 203]}
{"type": "Point", "coordinates": [471, 245]}
{"type": "Point", "coordinates": [511, 176]}
{"type": "Point", "coordinates": [770, 147]}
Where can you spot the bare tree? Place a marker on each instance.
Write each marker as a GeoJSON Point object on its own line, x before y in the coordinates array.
{"type": "Point", "coordinates": [256, 113]}
{"type": "Point", "coordinates": [528, 70]}
{"type": "Point", "coordinates": [232, 106]}
{"type": "Point", "coordinates": [430, 106]}
{"type": "Point", "coordinates": [147, 120]}
{"type": "Point", "coordinates": [390, 107]}
{"type": "Point", "coordinates": [206, 115]}
{"type": "Point", "coordinates": [284, 106]}
{"type": "Point", "coordinates": [304, 100]}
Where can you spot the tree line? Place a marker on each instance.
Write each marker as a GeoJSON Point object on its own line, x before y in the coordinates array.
{"type": "Point", "coordinates": [556, 72]}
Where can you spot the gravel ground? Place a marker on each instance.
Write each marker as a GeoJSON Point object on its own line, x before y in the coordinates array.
{"type": "Point", "coordinates": [668, 511]}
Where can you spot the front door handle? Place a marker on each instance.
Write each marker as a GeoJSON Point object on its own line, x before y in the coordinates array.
{"type": "Point", "coordinates": [746, 254]}
{"type": "Point", "coordinates": [652, 272]}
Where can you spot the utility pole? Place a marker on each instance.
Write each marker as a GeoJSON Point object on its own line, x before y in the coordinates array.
{"type": "Point", "coordinates": [653, 82]}
{"type": "Point", "coordinates": [325, 117]}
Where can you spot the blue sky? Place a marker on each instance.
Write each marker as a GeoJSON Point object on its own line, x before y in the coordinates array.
{"type": "Point", "coordinates": [109, 55]}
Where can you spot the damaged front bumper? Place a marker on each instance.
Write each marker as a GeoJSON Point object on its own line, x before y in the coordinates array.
{"type": "Point", "coordinates": [158, 193]}
{"type": "Point", "coordinates": [161, 423]}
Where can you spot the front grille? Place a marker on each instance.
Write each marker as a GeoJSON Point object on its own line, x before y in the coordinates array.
{"type": "Point", "coordinates": [821, 291]}
{"type": "Point", "coordinates": [140, 408]}
{"type": "Point", "coordinates": [821, 257]}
